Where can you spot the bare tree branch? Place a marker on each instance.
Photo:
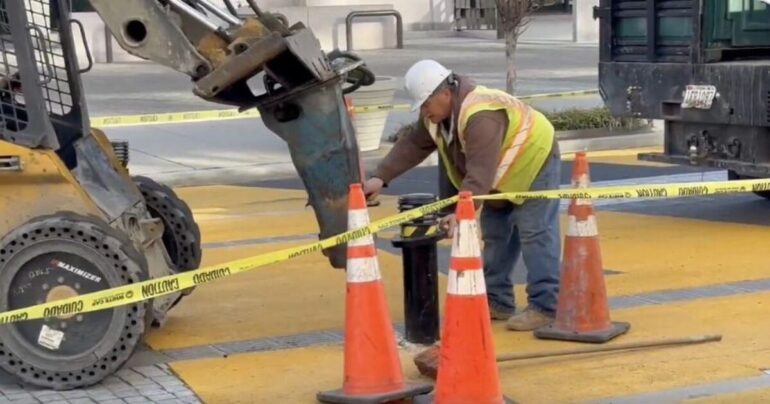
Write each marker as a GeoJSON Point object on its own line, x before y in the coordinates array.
{"type": "Point", "coordinates": [514, 18]}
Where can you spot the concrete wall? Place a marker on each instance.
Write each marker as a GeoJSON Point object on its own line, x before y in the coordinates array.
{"type": "Point", "coordinates": [424, 15]}
{"type": "Point", "coordinates": [328, 25]}
{"type": "Point", "coordinates": [326, 18]}
{"type": "Point", "coordinates": [586, 29]}
{"type": "Point", "coordinates": [418, 15]}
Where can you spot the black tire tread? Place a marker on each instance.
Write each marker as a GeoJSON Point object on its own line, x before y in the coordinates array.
{"type": "Point", "coordinates": [125, 257]}
{"type": "Point", "coordinates": [163, 202]}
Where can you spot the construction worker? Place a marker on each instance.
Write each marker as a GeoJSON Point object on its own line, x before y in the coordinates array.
{"type": "Point", "coordinates": [489, 142]}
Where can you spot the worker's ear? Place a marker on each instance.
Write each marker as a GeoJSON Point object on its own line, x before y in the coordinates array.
{"type": "Point", "coordinates": [445, 94]}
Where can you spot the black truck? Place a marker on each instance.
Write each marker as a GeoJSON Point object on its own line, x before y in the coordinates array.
{"type": "Point", "coordinates": [702, 67]}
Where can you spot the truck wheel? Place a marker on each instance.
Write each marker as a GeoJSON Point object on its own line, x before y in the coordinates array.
{"type": "Point", "coordinates": [181, 236]}
{"type": "Point", "coordinates": [732, 175]}
{"type": "Point", "coordinates": [60, 256]}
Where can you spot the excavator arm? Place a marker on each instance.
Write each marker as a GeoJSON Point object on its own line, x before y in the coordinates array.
{"type": "Point", "coordinates": [219, 49]}
{"type": "Point", "coordinates": [299, 96]}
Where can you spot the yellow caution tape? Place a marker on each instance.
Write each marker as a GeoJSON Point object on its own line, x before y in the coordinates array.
{"type": "Point", "coordinates": [145, 290]}
{"type": "Point", "coordinates": [172, 117]}
{"type": "Point", "coordinates": [228, 114]}
{"type": "Point", "coordinates": [676, 190]}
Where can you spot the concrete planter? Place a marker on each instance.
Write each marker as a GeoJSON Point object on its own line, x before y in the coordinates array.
{"type": "Point", "coordinates": [370, 125]}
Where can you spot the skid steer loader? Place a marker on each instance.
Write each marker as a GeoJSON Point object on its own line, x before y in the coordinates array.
{"type": "Point", "coordinates": [72, 218]}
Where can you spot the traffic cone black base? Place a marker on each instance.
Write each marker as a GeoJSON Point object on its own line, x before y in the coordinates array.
{"type": "Point", "coordinates": [409, 391]}
{"type": "Point", "coordinates": [430, 399]}
{"type": "Point", "coordinates": [616, 328]}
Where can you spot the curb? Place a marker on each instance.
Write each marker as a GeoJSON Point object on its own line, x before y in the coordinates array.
{"type": "Point", "coordinates": [569, 142]}
{"type": "Point", "coordinates": [593, 140]}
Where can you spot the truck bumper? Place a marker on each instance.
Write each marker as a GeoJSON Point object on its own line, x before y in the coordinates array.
{"type": "Point", "coordinates": [744, 169]}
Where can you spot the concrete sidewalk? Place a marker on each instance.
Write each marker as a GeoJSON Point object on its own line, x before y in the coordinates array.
{"type": "Point", "coordinates": [243, 151]}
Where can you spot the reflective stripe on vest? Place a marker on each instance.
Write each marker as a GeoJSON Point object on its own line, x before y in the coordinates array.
{"type": "Point", "coordinates": [526, 146]}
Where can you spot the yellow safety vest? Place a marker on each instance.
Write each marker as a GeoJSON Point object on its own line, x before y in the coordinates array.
{"type": "Point", "coordinates": [526, 147]}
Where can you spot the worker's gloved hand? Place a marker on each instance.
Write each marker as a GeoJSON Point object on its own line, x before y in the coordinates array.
{"type": "Point", "coordinates": [372, 188]}
{"type": "Point", "coordinates": [448, 224]}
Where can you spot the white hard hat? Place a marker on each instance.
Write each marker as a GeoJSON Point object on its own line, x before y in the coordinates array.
{"type": "Point", "coordinates": [422, 79]}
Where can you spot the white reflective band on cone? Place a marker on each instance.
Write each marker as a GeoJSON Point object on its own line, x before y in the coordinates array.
{"type": "Point", "coordinates": [580, 182]}
{"type": "Point", "coordinates": [357, 219]}
{"type": "Point", "coordinates": [582, 228]}
{"type": "Point", "coordinates": [363, 270]}
{"type": "Point", "coordinates": [467, 240]}
{"type": "Point", "coordinates": [466, 283]}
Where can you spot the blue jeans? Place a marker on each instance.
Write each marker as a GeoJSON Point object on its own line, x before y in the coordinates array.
{"type": "Point", "coordinates": [531, 229]}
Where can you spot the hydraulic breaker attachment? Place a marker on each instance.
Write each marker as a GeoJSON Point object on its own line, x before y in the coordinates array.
{"type": "Point", "coordinates": [300, 96]}
{"type": "Point", "coordinates": [323, 149]}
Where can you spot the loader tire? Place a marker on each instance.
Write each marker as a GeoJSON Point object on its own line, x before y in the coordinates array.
{"type": "Point", "coordinates": [181, 235]}
{"type": "Point", "coordinates": [59, 256]}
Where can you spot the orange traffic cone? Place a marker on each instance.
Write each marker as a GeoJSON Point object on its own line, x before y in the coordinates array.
{"type": "Point", "coordinates": [582, 313]}
{"type": "Point", "coordinates": [372, 372]}
{"type": "Point", "coordinates": [467, 371]}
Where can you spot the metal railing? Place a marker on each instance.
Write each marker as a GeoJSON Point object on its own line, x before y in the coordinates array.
{"type": "Point", "coordinates": [374, 13]}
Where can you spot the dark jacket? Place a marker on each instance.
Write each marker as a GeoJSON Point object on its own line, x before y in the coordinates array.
{"type": "Point", "coordinates": [477, 165]}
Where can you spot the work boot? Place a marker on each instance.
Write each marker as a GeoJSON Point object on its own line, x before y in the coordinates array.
{"type": "Point", "coordinates": [498, 313]}
{"type": "Point", "coordinates": [528, 320]}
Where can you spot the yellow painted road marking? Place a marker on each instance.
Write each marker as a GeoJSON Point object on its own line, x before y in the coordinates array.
{"type": "Point", "coordinates": [614, 153]}
{"type": "Point", "coordinates": [658, 253]}
{"type": "Point", "coordinates": [232, 213]}
{"type": "Point", "coordinates": [289, 376]}
{"type": "Point", "coordinates": [229, 196]}
{"type": "Point", "coordinates": [743, 351]}
{"type": "Point", "coordinates": [629, 160]}
{"type": "Point", "coordinates": [296, 296]}
{"type": "Point", "coordinates": [148, 289]}
{"type": "Point", "coordinates": [653, 253]}
{"type": "Point", "coordinates": [621, 156]}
